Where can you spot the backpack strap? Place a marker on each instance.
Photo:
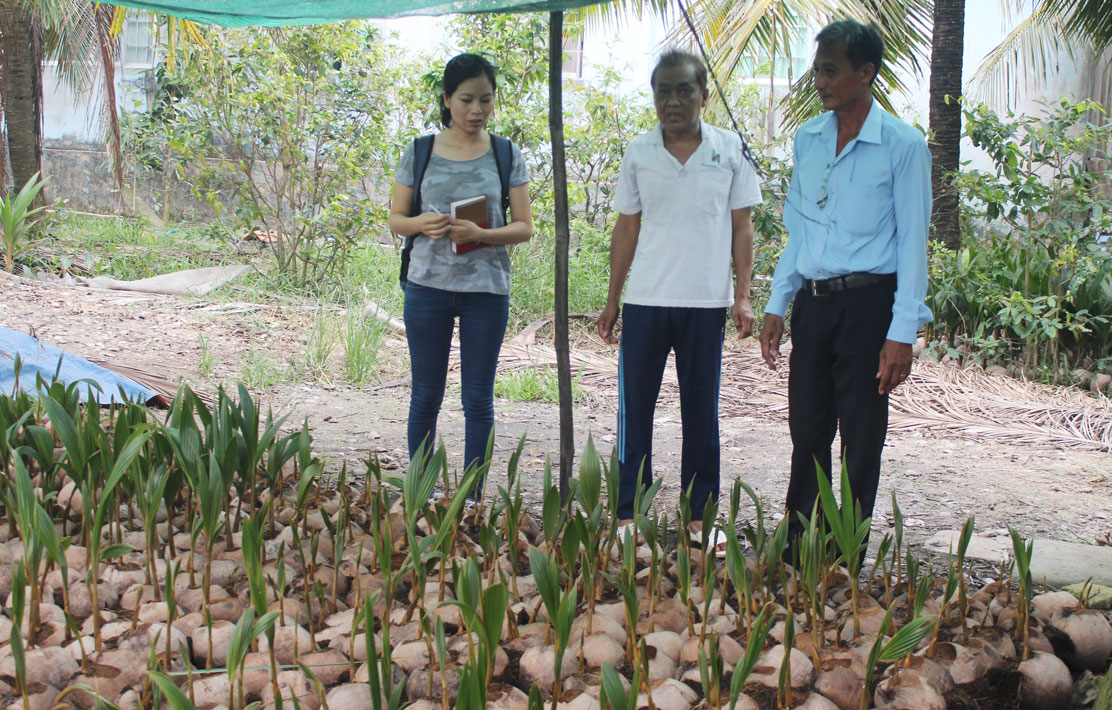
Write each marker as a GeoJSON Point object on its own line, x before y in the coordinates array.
{"type": "Point", "coordinates": [422, 152]}
{"type": "Point", "coordinates": [504, 160]}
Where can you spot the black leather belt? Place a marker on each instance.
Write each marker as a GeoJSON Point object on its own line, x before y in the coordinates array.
{"type": "Point", "coordinates": [827, 287]}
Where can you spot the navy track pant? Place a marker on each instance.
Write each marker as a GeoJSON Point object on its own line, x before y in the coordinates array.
{"type": "Point", "coordinates": [649, 333]}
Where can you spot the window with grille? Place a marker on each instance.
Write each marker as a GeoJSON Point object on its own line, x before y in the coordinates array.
{"type": "Point", "coordinates": [573, 51]}
{"type": "Point", "coordinates": [137, 41]}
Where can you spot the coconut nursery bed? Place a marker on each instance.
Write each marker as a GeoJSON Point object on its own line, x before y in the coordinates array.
{"type": "Point", "coordinates": [198, 558]}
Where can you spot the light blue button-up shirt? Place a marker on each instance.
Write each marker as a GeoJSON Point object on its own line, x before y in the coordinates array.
{"type": "Point", "coordinates": [866, 209]}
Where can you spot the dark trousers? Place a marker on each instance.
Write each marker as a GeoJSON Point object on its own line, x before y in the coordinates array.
{"type": "Point", "coordinates": [649, 333]}
{"type": "Point", "coordinates": [430, 315]}
{"type": "Point", "coordinates": [832, 385]}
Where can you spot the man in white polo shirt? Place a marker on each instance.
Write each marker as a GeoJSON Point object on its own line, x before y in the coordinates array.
{"type": "Point", "coordinates": [683, 198]}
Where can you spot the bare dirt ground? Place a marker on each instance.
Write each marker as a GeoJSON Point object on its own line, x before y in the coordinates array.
{"type": "Point", "coordinates": [939, 478]}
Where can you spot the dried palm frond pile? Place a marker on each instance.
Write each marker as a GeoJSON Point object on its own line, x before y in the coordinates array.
{"type": "Point", "coordinates": [937, 397]}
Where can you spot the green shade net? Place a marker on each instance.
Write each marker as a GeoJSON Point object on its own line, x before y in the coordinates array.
{"type": "Point", "coordinates": [237, 13]}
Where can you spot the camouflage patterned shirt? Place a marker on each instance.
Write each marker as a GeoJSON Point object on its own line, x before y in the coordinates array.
{"type": "Point", "coordinates": [432, 262]}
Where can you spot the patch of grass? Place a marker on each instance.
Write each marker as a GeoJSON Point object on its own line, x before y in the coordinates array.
{"type": "Point", "coordinates": [261, 370]}
{"type": "Point", "coordinates": [532, 293]}
{"type": "Point", "coordinates": [363, 339]}
{"type": "Point", "coordinates": [536, 384]}
{"type": "Point", "coordinates": [313, 363]}
{"type": "Point", "coordinates": [371, 274]}
{"type": "Point", "coordinates": [129, 249]}
{"type": "Point", "coordinates": [207, 358]}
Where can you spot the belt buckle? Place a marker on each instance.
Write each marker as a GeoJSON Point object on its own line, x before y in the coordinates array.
{"type": "Point", "coordinates": [816, 291]}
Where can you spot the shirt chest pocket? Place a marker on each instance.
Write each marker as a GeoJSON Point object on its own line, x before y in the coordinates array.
{"type": "Point", "coordinates": [864, 204]}
{"type": "Point", "coordinates": [713, 190]}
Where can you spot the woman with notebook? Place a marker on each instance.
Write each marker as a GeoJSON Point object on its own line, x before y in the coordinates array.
{"type": "Point", "coordinates": [456, 264]}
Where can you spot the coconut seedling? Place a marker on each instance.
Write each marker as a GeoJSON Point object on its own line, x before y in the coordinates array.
{"type": "Point", "coordinates": [380, 669]}
{"type": "Point", "coordinates": [1022, 557]}
{"type": "Point", "coordinates": [170, 595]}
{"type": "Point", "coordinates": [553, 509]}
{"type": "Point", "coordinates": [55, 548]}
{"type": "Point", "coordinates": [613, 694]}
{"type": "Point", "coordinates": [512, 504]}
{"type": "Point", "coordinates": [902, 643]}
{"type": "Point", "coordinates": [149, 483]}
{"type": "Point", "coordinates": [247, 629]}
{"type": "Point", "coordinates": [587, 526]}
{"type": "Point", "coordinates": [19, 590]}
{"type": "Point", "coordinates": [849, 529]}
{"type": "Point", "coordinates": [560, 606]}
{"type": "Point", "coordinates": [96, 554]}
{"type": "Point", "coordinates": [710, 672]}
{"type": "Point", "coordinates": [82, 439]}
{"type": "Point", "coordinates": [254, 444]}
{"type": "Point", "coordinates": [710, 571]}
{"type": "Point", "coordinates": [963, 604]}
{"type": "Point", "coordinates": [38, 446]}
{"type": "Point", "coordinates": [210, 490]}
{"type": "Point", "coordinates": [417, 486]}
{"type": "Point", "coordinates": [812, 572]}
{"type": "Point", "coordinates": [912, 571]}
{"type": "Point", "coordinates": [947, 597]}
{"type": "Point", "coordinates": [784, 682]}
{"type": "Point", "coordinates": [651, 533]}
{"type": "Point", "coordinates": [483, 613]}
{"type": "Point", "coordinates": [26, 512]}
{"type": "Point", "coordinates": [627, 590]}
{"type": "Point", "coordinates": [569, 551]}
{"type": "Point", "coordinates": [738, 571]}
{"type": "Point", "coordinates": [439, 641]}
{"type": "Point", "coordinates": [177, 699]}
{"type": "Point", "coordinates": [683, 583]}
{"type": "Point", "coordinates": [777, 544]}
{"type": "Point", "coordinates": [758, 633]}
{"type": "Point", "coordinates": [878, 564]}
{"type": "Point", "coordinates": [256, 585]}
{"type": "Point", "coordinates": [897, 549]}
{"type": "Point", "coordinates": [310, 468]}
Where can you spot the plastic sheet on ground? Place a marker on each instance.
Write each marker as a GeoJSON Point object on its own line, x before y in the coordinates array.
{"type": "Point", "coordinates": [190, 282]}
{"type": "Point", "coordinates": [42, 359]}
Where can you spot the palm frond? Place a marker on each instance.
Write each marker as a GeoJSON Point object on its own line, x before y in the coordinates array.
{"type": "Point", "coordinates": [1025, 58]}
{"type": "Point", "coordinates": [1090, 18]}
{"type": "Point", "coordinates": [733, 29]}
{"type": "Point", "coordinates": [69, 31]}
{"type": "Point", "coordinates": [612, 15]}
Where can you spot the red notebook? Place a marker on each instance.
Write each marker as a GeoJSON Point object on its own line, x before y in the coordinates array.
{"type": "Point", "coordinates": [473, 209]}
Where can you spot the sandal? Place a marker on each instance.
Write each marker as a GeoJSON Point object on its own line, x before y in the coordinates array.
{"type": "Point", "coordinates": [621, 531]}
{"type": "Point", "coordinates": [716, 542]}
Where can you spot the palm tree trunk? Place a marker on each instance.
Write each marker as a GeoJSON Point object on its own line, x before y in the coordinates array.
{"type": "Point", "coordinates": [947, 46]}
{"type": "Point", "coordinates": [21, 47]}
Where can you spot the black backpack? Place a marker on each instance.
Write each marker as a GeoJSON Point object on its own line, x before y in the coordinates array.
{"type": "Point", "coordinates": [422, 151]}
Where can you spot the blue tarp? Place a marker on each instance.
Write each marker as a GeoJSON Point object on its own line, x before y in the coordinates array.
{"type": "Point", "coordinates": [41, 359]}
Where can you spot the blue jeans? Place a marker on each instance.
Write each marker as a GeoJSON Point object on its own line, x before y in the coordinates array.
{"type": "Point", "coordinates": [430, 315]}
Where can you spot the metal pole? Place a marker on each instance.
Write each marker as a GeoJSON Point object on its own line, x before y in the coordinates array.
{"type": "Point", "coordinates": [563, 234]}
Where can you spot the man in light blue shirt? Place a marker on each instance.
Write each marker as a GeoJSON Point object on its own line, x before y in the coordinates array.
{"type": "Point", "coordinates": [857, 213]}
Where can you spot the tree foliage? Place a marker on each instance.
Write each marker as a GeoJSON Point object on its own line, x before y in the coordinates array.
{"type": "Point", "coordinates": [1037, 288]}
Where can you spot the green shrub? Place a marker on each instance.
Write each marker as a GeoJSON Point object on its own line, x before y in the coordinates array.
{"type": "Point", "coordinates": [1037, 288]}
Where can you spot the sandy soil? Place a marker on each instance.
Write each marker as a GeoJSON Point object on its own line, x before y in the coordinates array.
{"type": "Point", "coordinates": [939, 480]}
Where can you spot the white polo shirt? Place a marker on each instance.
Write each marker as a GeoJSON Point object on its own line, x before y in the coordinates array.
{"type": "Point", "coordinates": [683, 254]}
